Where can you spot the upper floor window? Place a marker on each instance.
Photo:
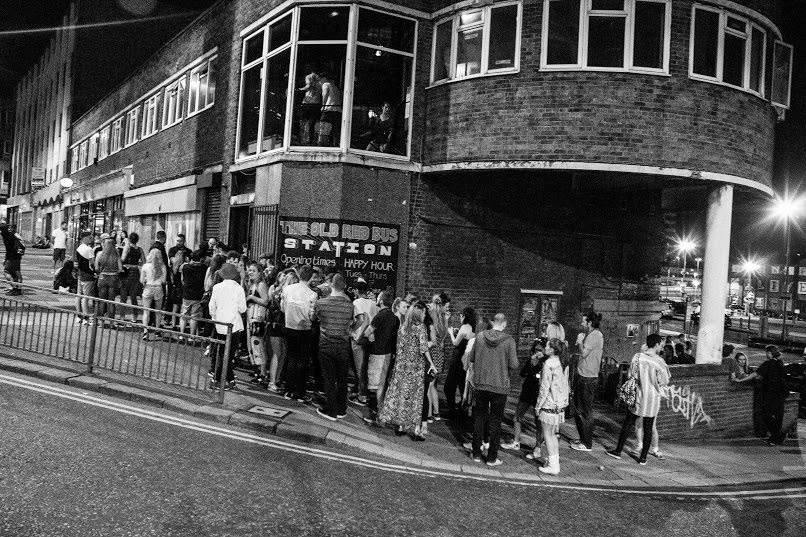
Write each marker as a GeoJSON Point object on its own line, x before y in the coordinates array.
{"type": "Point", "coordinates": [174, 99]}
{"type": "Point", "coordinates": [74, 159]}
{"type": "Point", "coordinates": [477, 42]}
{"type": "Point", "coordinates": [150, 123]}
{"type": "Point", "coordinates": [93, 150]}
{"type": "Point", "coordinates": [8, 117]}
{"type": "Point", "coordinates": [618, 35]}
{"type": "Point", "coordinates": [7, 147]}
{"type": "Point", "coordinates": [131, 126]}
{"type": "Point", "coordinates": [202, 87]}
{"type": "Point", "coordinates": [83, 154]}
{"type": "Point", "coordinates": [116, 136]}
{"type": "Point", "coordinates": [781, 74]}
{"type": "Point", "coordinates": [103, 143]}
{"type": "Point", "coordinates": [343, 56]}
{"type": "Point", "coordinates": [727, 48]}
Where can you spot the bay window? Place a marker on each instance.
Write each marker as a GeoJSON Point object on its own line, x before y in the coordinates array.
{"type": "Point", "coordinates": [727, 48]}
{"type": "Point", "coordinates": [327, 77]}
{"type": "Point", "coordinates": [618, 35]}
{"type": "Point", "coordinates": [477, 42]}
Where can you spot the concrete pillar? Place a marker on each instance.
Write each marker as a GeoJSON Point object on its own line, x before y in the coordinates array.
{"type": "Point", "coordinates": [715, 275]}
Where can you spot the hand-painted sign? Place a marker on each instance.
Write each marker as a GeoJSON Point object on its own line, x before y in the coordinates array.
{"type": "Point", "coordinates": [365, 249]}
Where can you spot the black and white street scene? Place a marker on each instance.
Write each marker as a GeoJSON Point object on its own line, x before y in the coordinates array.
{"type": "Point", "coordinates": [417, 268]}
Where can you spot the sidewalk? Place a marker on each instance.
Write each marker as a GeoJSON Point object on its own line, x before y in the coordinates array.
{"type": "Point", "coordinates": [743, 462]}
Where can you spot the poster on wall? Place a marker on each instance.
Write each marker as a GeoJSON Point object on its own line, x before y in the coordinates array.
{"type": "Point", "coordinates": [356, 249]}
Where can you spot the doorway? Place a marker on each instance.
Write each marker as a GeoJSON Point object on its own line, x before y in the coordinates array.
{"type": "Point", "coordinates": [239, 225]}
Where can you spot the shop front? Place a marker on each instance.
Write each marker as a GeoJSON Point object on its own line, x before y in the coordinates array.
{"type": "Point", "coordinates": [96, 207]}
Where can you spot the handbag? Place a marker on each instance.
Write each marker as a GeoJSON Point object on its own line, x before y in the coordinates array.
{"type": "Point", "coordinates": [628, 391]}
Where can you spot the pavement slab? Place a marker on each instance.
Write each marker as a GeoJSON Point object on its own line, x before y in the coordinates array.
{"type": "Point", "coordinates": [59, 376]}
{"type": "Point", "coordinates": [302, 432]}
{"type": "Point", "coordinates": [251, 421]}
{"type": "Point", "coordinates": [86, 382]}
{"type": "Point", "coordinates": [213, 413]}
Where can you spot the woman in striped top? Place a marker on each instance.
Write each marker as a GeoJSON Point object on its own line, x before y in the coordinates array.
{"type": "Point", "coordinates": [652, 376]}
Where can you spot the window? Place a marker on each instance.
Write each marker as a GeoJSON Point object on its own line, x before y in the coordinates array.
{"type": "Point", "coordinates": [781, 74]}
{"type": "Point", "coordinates": [117, 135]}
{"type": "Point", "coordinates": [7, 147]}
{"type": "Point", "coordinates": [727, 48]}
{"type": "Point", "coordinates": [93, 150]}
{"type": "Point", "coordinates": [131, 126]}
{"type": "Point", "coordinates": [174, 97]}
{"type": "Point", "coordinates": [103, 143]}
{"type": "Point", "coordinates": [74, 160]}
{"type": "Point", "coordinates": [606, 35]}
{"type": "Point", "coordinates": [150, 115]}
{"type": "Point", "coordinates": [477, 42]}
{"type": "Point", "coordinates": [202, 87]}
{"type": "Point", "coordinates": [82, 154]}
{"type": "Point", "coordinates": [342, 55]}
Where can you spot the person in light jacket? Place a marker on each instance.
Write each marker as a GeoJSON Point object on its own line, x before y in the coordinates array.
{"type": "Point", "coordinates": [652, 376]}
{"type": "Point", "coordinates": [227, 304]}
{"type": "Point", "coordinates": [551, 402]}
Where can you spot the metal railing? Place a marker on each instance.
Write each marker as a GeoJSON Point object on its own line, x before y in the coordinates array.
{"type": "Point", "coordinates": [128, 347]}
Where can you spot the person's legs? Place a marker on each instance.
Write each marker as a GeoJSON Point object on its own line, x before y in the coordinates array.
{"type": "Point", "coordinates": [498, 402]}
{"type": "Point", "coordinates": [327, 359]}
{"type": "Point", "coordinates": [649, 422]}
{"type": "Point", "coordinates": [520, 412]}
{"type": "Point", "coordinates": [360, 362]}
{"type": "Point", "coordinates": [433, 399]}
{"type": "Point", "coordinates": [454, 380]}
{"type": "Point", "coordinates": [294, 351]}
{"type": "Point", "coordinates": [342, 369]}
{"type": "Point", "coordinates": [386, 360]}
{"type": "Point", "coordinates": [629, 420]}
{"type": "Point", "coordinates": [277, 358]}
{"type": "Point", "coordinates": [481, 413]}
{"type": "Point", "coordinates": [583, 399]}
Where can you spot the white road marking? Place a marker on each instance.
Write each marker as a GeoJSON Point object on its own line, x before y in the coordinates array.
{"type": "Point", "coordinates": [783, 493]}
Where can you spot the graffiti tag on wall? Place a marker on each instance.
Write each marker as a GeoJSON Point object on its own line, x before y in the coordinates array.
{"type": "Point", "coordinates": [687, 403]}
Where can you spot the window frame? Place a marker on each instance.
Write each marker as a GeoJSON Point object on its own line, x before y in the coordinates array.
{"type": "Point", "coordinates": [181, 87]}
{"type": "Point", "coordinates": [117, 124]}
{"type": "Point", "coordinates": [150, 105]}
{"type": "Point", "coordinates": [132, 130]}
{"type": "Point", "coordinates": [750, 25]}
{"type": "Point", "coordinates": [8, 146]}
{"type": "Point", "coordinates": [789, 79]}
{"type": "Point", "coordinates": [455, 21]}
{"type": "Point", "coordinates": [586, 11]}
{"type": "Point", "coordinates": [351, 43]}
{"type": "Point", "coordinates": [92, 153]}
{"type": "Point", "coordinates": [74, 158]}
{"type": "Point", "coordinates": [208, 66]}
{"type": "Point", "coordinates": [103, 142]}
{"type": "Point", "coordinates": [83, 154]}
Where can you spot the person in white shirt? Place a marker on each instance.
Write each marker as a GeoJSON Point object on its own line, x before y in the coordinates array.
{"type": "Point", "coordinates": [365, 310]}
{"type": "Point", "coordinates": [59, 237]}
{"type": "Point", "coordinates": [297, 303]}
{"type": "Point", "coordinates": [227, 303]}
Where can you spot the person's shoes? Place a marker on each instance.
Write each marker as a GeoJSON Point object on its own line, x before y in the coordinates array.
{"type": "Point", "coordinates": [418, 438]}
{"type": "Point", "coordinates": [325, 414]}
{"type": "Point", "coordinates": [437, 417]}
{"type": "Point", "coordinates": [357, 400]}
{"type": "Point", "coordinates": [230, 386]}
{"type": "Point", "coordinates": [430, 419]}
{"type": "Point", "coordinates": [272, 387]}
{"type": "Point", "coordinates": [14, 292]}
{"type": "Point", "coordinates": [512, 445]}
{"type": "Point", "coordinates": [288, 395]}
{"type": "Point", "coordinates": [476, 459]}
{"type": "Point", "coordinates": [371, 419]}
{"type": "Point", "coordinates": [341, 416]}
{"type": "Point", "coordinates": [145, 335]}
{"type": "Point", "coordinates": [212, 384]}
{"type": "Point", "coordinates": [469, 446]}
{"type": "Point", "coordinates": [304, 399]}
{"type": "Point", "coordinates": [615, 454]}
{"type": "Point", "coordinates": [579, 446]}
{"type": "Point", "coordinates": [642, 462]}
{"type": "Point", "coordinates": [658, 455]}
{"type": "Point", "coordinates": [496, 462]}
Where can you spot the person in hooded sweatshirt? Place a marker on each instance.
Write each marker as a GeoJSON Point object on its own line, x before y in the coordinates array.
{"type": "Point", "coordinates": [492, 359]}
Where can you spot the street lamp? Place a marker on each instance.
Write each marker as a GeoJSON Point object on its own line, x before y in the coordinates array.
{"type": "Point", "coordinates": [698, 260]}
{"type": "Point", "coordinates": [786, 209]}
{"type": "Point", "coordinates": [684, 246]}
{"type": "Point", "coordinates": [749, 267]}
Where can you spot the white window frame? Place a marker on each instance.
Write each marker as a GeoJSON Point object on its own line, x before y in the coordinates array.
{"type": "Point", "coordinates": [484, 26]}
{"type": "Point", "coordinates": [151, 122]}
{"type": "Point", "coordinates": [103, 143]}
{"type": "Point", "coordinates": [628, 13]}
{"type": "Point", "coordinates": [193, 107]}
{"type": "Point", "coordinates": [74, 159]}
{"type": "Point", "coordinates": [83, 148]}
{"type": "Point", "coordinates": [116, 136]}
{"type": "Point", "coordinates": [132, 126]}
{"type": "Point", "coordinates": [93, 149]}
{"type": "Point", "coordinates": [720, 55]}
{"type": "Point", "coordinates": [173, 102]}
{"type": "Point", "coordinates": [785, 106]}
{"type": "Point", "coordinates": [7, 147]}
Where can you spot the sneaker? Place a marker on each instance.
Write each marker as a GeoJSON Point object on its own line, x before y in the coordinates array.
{"type": "Point", "coordinates": [288, 395]}
{"type": "Point", "coordinates": [469, 446]}
{"type": "Point", "coordinates": [430, 419]}
{"type": "Point", "coordinates": [579, 446]}
{"type": "Point", "coordinates": [230, 386]}
{"type": "Point", "coordinates": [210, 375]}
{"type": "Point", "coordinates": [496, 462]}
{"type": "Point", "coordinates": [371, 419]}
{"type": "Point", "coordinates": [476, 459]}
{"type": "Point", "coordinates": [213, 385]}
{"type": "Point", "coordinates": [325, 414]}
{"type": "Point", "coordinates": [341, 416]}
{"type": "Point", "coordinates": [272, 387]}
{"type": "Point", "coordinates": [615, 454]}
{"type": "Point", "coordinates": [658, 455]}
{"type": "Point", "coordinates": [305, 399]}
{"type": "Point", "coordinates": [437, 417]}
{"type": "Point", "coordinates": [642, 462]}
{"type": "Point", "coordinates": [357, 400]}
{"type": "Point", "coordinates": [512, 445]}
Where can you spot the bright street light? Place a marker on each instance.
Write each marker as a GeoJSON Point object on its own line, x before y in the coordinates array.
{"type": "Point", "coordinates": [787, 208]}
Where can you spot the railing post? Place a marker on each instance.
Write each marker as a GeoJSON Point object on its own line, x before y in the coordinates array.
{"type": "Point", "coordinates": [224, 365]}
{"type": "Point", "coordinates": [93, 337]}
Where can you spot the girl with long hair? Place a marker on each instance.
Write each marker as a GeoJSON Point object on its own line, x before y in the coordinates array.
{"type": "Point", "coordinates": [403, 402]}
{"type": "Point", "coordinates": [552, 401]}
{"type": "Point", "coordinates": [456, 373]}
{"type": "Point", "coordinates": [437, 325]}
{"type": "Point", "coordinates": [152, 276]}
{"type": "Point", "coordinates": [109, 266]}
{"type": "Point", "coordinates": [257, 301]}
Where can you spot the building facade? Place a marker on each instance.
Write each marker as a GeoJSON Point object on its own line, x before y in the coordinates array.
{"type": "Point", "coordinates": [6, 149]}
{"type": "Point", "coordinates": [518, 155]}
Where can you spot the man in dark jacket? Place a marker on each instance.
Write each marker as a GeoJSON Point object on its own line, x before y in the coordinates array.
{"type": "Point", "coordinates": [773, 391]}
{"type": "Point", "coordinates": [492, 359]}
{"type": "Point", "coordinates": [14, 252]}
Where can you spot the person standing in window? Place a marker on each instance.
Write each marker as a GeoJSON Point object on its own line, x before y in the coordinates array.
{"type": "Point", "coordinates": [330, 120]}
{"type": "Point", "coordinates": [311, 106]}
{"type": "Point", "coordinates": [382, 128]}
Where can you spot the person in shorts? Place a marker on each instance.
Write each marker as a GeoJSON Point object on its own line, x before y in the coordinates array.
{"type": "Point", "coordinates": [382, 334]}
{"type": "Point", "coordinates": [530, 372]}
{"type": "Point", "coordinates": [87, 286]}
{"type": "Point", "coordinates": [59, 236]}
{"type": "Point", "coordinates": [193, 274]}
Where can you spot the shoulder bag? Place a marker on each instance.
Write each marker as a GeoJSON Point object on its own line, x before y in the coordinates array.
{"type": "Point", "coordinates": [628, 391]}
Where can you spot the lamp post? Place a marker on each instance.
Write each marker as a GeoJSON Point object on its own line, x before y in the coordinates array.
{"type": "Point", "coordinates": [786, 209]}
{"type": "Point", "coordinates": [750, 266]}
{"type": "Point", "coordinates": [684, 246]}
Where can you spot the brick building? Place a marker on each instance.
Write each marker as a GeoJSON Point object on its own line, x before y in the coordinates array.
{"type": "Point", "coordinates": [519, 155]}
{"type": "Point", "coordinates": [6, 148]}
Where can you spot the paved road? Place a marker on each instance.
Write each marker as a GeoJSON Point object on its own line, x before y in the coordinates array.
{"type": "Point", "coordinates": [68, 468]}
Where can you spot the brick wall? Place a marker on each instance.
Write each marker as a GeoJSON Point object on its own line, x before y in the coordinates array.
{"type": "Point", "coordinates": [667, 121]}
{"type": "Point", "coordinates": [706, 404]}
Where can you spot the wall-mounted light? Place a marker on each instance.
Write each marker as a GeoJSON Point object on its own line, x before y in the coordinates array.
{"type": "Point", "coordinates": [65, 182]}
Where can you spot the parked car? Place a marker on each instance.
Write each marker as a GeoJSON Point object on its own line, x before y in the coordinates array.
{"type": "Point", "coordinates": [667, 311]}
{"type": "Point", "coordinates": [695, 318]}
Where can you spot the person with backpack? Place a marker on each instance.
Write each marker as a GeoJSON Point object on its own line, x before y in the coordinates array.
{"type": "Point", "coordinates": [15, 249]}
{"type": "Point", "coordinates": [651, 376]}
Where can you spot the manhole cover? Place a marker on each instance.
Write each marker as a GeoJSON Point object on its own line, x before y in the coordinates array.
{"type": "Point", "coordinates": [269, 411]}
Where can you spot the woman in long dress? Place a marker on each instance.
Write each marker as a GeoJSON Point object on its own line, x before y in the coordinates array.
{"type": "Point", "coordinates": [403, 403]}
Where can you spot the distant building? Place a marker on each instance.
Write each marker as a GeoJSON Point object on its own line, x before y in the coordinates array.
{"type": "Point", "coordinates": [6, 149]}
{"type": "Point", "coordinates": [519, 155]}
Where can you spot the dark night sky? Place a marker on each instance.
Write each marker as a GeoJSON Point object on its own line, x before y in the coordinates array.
{"type": "Point", "coordinates": [18, 52]}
